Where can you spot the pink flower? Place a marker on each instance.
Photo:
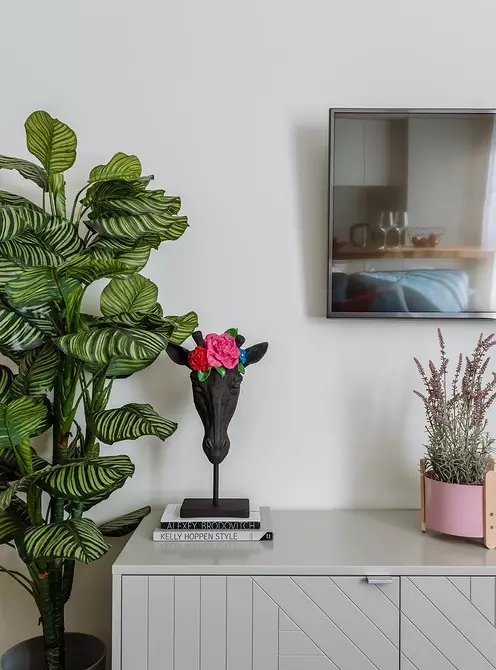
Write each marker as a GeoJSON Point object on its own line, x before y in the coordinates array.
{"type": "Point", "coordinates": [222, 350]}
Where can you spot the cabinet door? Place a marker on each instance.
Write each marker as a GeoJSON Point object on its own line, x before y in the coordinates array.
{"type": "Point", "coordinates": [259, 623]}
{"type": "Point", "coordinates": [323, 623]}
{"type": "Point", "coordinates": [349, 152]}
{"type": "Point", "coordinates": [448, 623]}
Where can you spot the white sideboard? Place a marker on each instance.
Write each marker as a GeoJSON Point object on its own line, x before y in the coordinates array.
{"type": "Point", "coordinates": [336, 590]}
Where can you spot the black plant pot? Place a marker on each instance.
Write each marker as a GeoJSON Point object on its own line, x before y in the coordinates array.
{"type": "Point", "coordinates": [83, 652]}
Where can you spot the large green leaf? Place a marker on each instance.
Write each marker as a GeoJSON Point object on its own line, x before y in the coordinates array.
{"type": "Point", "coordinates": [15, 220]}
{"type": "Point", "coordinates": [184, 326]}
{"type": "Point", "coordinates": [20, 419]}
{"type": "Point", "coordinates": [126, 524]}
{"type": "Point", "coordinates": [6, 379]}
{"type": "Point", "coordinates": [130, 422]}
{"type": "Point", "coordinates": [29, 249]}
{"type": "Point", "coordinates": [37, 372]}
{"type": "Point", "coordinates": [98, 346]}
{"type": "Point", "coordinates": [75, 539]}
{"type": "Point", "coordinates": [120, 166]}
{"type": "Point", "coordinates": [17, 333]}
{"type": "Point", "coordinates": [36, 286]}
{"type": "Point", "coordinates": [144, 202]}
{"type": "Point", "coordinates": [10, 492]}
{"type": "Point", "coordinates": [26, 169]}
{"type": "Point", "coordinates": [96, 500]}
{"type": "Point", "coordinates": [13, 522]}
{"type": "Point", "coordinates": [15, 200]}
{"type": "Point", "coordinates": [129, 227]}
{"type": "Point", "coordinates": [61, 237]}
{"type": "Point", "coordinates": [135, 294]}
{"type": "Point", "coordinates": [9, 469]}
{"type": "Point", "coordinates": [57, 188]}
{"type": "Point", "coordinates": [88, 270]}
{"type": "Point", "coordinates": [133, 254]}
{"type": "Point", "coordinates": [82, 480]}
{"type": "Point", "coordinates": [51, 141]}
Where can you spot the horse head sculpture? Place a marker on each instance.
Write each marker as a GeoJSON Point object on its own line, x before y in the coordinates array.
{"type": "Point", "coordinates": [217, 366]}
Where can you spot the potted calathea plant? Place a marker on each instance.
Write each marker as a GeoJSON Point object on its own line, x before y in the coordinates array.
{"type": "Point", "coordinates": [64, 364]}
{"type": "Point", "coordinates": [459, 450]}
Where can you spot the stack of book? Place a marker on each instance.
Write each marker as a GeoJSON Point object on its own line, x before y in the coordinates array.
{"type": "Point", "coordinates": [257, 527]}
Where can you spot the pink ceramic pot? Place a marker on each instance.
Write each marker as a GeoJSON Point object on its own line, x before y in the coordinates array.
{"type": "Point", "coordinates": [454, 509]}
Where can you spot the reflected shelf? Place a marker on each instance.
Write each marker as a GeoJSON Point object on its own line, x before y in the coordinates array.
{"type": "Point", "coordinates": [350, 253]}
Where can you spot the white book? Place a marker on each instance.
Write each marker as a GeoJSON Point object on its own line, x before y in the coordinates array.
{"type": "Point", "coordinates": [171, 520]}
{"type": "Point", "coordinates": [219, 535]}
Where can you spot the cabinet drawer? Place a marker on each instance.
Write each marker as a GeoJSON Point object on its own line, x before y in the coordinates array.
{"type": "Point", "coordinates": [259, 623]}
{"type": "Point", "coordinates": [448, 622]}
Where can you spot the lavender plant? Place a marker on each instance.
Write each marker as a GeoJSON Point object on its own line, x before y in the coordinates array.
{"type": "Point", "coordinates": [459, 448]}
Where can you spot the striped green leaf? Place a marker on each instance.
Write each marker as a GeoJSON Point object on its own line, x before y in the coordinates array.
{"type": "Point", "coordinates": [17, 333]}
{"type": "Point", "coordinates": [184, 326]}
{"type": "Point", "coordinates": [37, 372]}
{"type": "Point", "coordinates": [28, 249]}
{"type": "Point", "coordinates": [7, 198]}
{"type": "Point", "coordinates": [51, 141]}
{"type": "Point", "coordinates": [122, 367]}
{"type": "Point", "coordinates": [98, 346]}
{"type": "Point", "coordinates": [26, 169]}
{"type": "Point", "coordinates": [144, 202]}
{"type": "Point", "coordinates": [126, 524]}
{"type": "Point", "coordinates": [85, 479]}
{"type": "Point", "coordinates": [140, 320]}
{"type": "Point", "coordinates": [130, 422]}
{"type": "Point", "coordinates": [20, 419]}
{"type": "Point", "coordinates": [135, 294]}
{"type": "Point", "coordinates": [61, 237]}
{"type": "Point", "coordinates": [129, 227]}
{"type": "Point", "coordinates": [101, 497]}
{"type": "Point", "coordinates": [76, 539]}
{"type": "Point", "coordinates": [120, 166]}
{"type": "Point", "coordinates": [10, 492]}
{"type": "Point", "coordinates": [8, 465]}
{"type": "Point", "coordinates": [133, 254]}
{"type": "Point", "coordinates": [6, 379]}
{"type": "Point", "coordinates": [15, 220]}
{"type": "Point", "coordinates": [13, 522]}
{"type": "Point", "coordinates": [41, 318]}
{"type": "Point", "coordinates": [36, 286]}
{"type": "Point", "coordinates": [57, 188]}
{"type": "Point", "coordinates": [87, 270]}
{"type": "Point", "coordinates": [99, 192]}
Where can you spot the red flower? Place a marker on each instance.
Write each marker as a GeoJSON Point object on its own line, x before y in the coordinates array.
{"type": "Point", "coordinates": [197, 359]}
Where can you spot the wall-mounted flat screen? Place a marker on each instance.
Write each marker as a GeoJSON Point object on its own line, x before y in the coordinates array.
{"type": "Point", "coordinates": [412, 213]}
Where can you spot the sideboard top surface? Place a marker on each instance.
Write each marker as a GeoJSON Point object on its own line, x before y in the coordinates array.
{"type": "Point", "coordinates": [314, 543]}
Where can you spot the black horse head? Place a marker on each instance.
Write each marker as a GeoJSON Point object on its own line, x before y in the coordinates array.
{"type": "Point", "coordinates": [216, 397]}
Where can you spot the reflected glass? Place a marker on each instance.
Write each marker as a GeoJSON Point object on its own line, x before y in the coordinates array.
{"type": "Point", "coordinates": [412, 213]}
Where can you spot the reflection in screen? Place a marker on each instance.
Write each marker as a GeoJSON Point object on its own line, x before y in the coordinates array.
{"type": "Point", "coordinates": [413, 213]}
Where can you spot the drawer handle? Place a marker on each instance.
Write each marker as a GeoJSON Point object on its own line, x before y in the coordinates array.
{"type": "Point", "coordinates": [378, 581]}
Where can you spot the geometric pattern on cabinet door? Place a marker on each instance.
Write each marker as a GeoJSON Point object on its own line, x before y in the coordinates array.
{"type": "Point", "coordinates": [340, 623]}
{"type": "Point", "coordinates": [448, 623]}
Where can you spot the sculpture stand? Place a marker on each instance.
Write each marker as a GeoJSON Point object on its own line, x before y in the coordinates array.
{"type": "Point", "coordinates": [215, 507]}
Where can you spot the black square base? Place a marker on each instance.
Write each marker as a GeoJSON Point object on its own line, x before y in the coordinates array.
{"type": "Point", "coordinates": [237, 508]}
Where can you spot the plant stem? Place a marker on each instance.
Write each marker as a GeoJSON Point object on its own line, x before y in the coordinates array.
{"type": "Point", "coordinates": [76, 201]}
{"type": "Point", "coordinates": [68, 578]}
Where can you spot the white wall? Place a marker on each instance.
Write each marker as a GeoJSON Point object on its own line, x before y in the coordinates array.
{"type": "Point", "coordinates": [226, 102]}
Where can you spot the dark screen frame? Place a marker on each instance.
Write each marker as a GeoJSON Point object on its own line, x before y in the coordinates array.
{"type": "Point", "coordinates": [330, 314]}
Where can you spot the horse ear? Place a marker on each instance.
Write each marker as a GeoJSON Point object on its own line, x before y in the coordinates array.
{"type": "Point", "coordinates": [256, 353]}
{"type": "Point", "coordinates": [178, 354]}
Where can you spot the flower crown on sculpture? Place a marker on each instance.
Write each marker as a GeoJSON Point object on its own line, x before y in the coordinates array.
{"type": "Point", "coordinates": [220, 352]}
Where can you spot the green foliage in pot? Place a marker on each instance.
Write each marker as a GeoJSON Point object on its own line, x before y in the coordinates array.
{"type": "Point", "coordinates": [459, 448]}
{"type": "Point", "coordinates": [67, 361]}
